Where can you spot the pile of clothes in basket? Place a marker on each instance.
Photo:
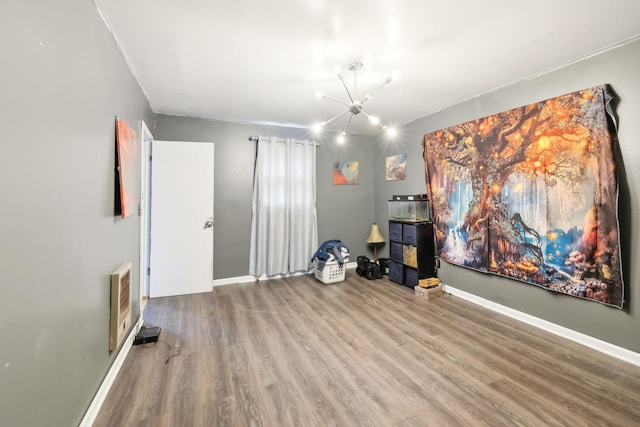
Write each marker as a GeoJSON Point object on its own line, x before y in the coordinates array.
{"type": "Point", "coordinates": [330, 251]}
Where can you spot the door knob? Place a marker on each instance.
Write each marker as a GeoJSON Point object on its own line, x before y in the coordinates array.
{"type": "Point", "coordinates": [208, 223]}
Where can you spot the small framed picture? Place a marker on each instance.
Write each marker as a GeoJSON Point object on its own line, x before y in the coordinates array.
{"type": "Point", "coordinates": [345, 173]}
{"type": "Point", "coordinates": [396, 167]}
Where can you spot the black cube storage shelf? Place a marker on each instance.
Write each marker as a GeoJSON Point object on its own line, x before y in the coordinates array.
{"type": "Point", "coordinates": [412, 252]}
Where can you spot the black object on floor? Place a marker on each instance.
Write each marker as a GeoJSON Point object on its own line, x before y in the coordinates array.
{"type": "Point", "coordinates": [147, 335]}
{"type": "Point", "coordinates": [384, 265]}
{"type": "Point", "coordinates": [368, 269]}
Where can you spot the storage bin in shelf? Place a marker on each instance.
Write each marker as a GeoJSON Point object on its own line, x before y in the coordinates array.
{"type": "Point", "coordinates": [333, 272]}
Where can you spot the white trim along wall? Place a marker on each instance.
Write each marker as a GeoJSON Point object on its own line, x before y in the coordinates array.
{"type": "Point", "coordinates": [580, 338]}
{"type": "Point", "coordinates": [91, 414]}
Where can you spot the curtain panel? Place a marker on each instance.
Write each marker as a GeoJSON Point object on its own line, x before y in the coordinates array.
{"type": "Point", "coordinates": [284, 226]}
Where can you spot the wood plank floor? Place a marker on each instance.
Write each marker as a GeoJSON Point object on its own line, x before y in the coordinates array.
{"type": "Point", "coordinates": [296, 352]}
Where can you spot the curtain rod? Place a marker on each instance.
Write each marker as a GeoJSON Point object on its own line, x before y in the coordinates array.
{"type": "Point", "coordinates": [256, 138]}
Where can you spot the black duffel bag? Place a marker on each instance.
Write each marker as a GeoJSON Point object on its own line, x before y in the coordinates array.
{"type": "Point", "coordinates": [368, 269]}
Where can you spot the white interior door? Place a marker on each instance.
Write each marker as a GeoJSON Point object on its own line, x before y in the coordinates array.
{"type": "Point", "coordinates": [181, 218]}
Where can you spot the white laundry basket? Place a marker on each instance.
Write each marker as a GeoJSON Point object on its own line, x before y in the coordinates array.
{"type": "Point", "coordinates": [333, 272]}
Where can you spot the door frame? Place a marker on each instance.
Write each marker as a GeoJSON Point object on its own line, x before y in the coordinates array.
{"type": "Point", "coordinates": [144, 211]}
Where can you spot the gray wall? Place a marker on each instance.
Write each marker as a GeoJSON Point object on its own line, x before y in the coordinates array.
{"type": "Point", "coordinates": [344, 212]}
{"type": "Point", "coordinates": [62, 81]}
{"type": "Point", "coordinates": [620, 68]}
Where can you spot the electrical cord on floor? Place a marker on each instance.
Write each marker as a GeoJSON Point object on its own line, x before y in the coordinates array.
{"type": "Point", "coordinates": [171, 347]}
{"type": "Point", "coordinates": [173, 351]}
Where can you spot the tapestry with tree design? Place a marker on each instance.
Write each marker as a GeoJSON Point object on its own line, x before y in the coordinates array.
{"type": "Point", "coordinates": [532, 194]}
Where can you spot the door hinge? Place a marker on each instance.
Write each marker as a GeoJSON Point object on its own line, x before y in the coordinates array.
{"type": "Point", "coordinates": [139, 208]}
{"type": "Point", "coordinates": [148, 271]}
{"type": "Point", "coordinates": [150, 157]}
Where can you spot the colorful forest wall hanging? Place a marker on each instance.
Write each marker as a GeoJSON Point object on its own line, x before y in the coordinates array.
{"type": "Point", "coordinates": [532, 194]}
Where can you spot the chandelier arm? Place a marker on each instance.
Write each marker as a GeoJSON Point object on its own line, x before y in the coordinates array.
{"type": "Point", "coordinates": [355, 81]}
{"type": "Point", "coordinates": [379, 123]}
{"type": "Point", "coordinates": [369, 95]}
{"type": "Point", "coordinates": [336, 100]}
{"type": "Point", "coordinates": [344, 132]}
{"type": "Point", "coordinates": [363, 112]}
{"type": "Point", "coordinates": [345, 87]}
{"type": "Point", "coordinates": [335, 117]}
{"type": "Point", "coordinates": [383, 84]}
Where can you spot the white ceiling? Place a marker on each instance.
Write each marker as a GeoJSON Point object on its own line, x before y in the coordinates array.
{"type": "Point", "coordinates": [262, 61]}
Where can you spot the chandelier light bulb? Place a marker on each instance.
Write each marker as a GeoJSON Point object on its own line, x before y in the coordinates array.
{"type": "Point", "coordinates": [317, 127]}
{"type": "Point", "coordinates": [392, 132]}
{"type": "Point", "coordinates": [341, 138]}
{"type": "Point", "coordinates": [374, 120]}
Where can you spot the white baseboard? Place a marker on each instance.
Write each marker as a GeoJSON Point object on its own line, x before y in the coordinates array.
{"type": "Point", "coordinates": [91, 414]}
{"type": "Point", "coordinates": [233, 280]}
{"type": "Point", "coordinates": [281, 276]}
{"type": "Point", "coordinates": [248, 279]}
{"type": "Point", "coordinates": [578, 337]}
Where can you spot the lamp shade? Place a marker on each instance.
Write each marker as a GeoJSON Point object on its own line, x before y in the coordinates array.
{"type": "Point", "coordinates": [374, 235]}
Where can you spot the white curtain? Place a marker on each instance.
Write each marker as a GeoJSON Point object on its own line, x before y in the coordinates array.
{"type": "Point", "coordinates": [284, 227]}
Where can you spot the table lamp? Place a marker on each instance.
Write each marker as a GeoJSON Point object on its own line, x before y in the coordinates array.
{"type": "Point", "coordinates": [375, 238]}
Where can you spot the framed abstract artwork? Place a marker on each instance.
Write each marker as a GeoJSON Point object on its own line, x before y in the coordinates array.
{"type": "Point", "coordinates": [126, 152]}
{"type": "Point", "coordinates": [345, 173]}
{"type": "Point", "coordinates": [396, 167]}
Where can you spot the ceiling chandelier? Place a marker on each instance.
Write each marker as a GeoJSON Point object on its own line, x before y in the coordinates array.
{"type": "Point", "coordinates": [354, 106]}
